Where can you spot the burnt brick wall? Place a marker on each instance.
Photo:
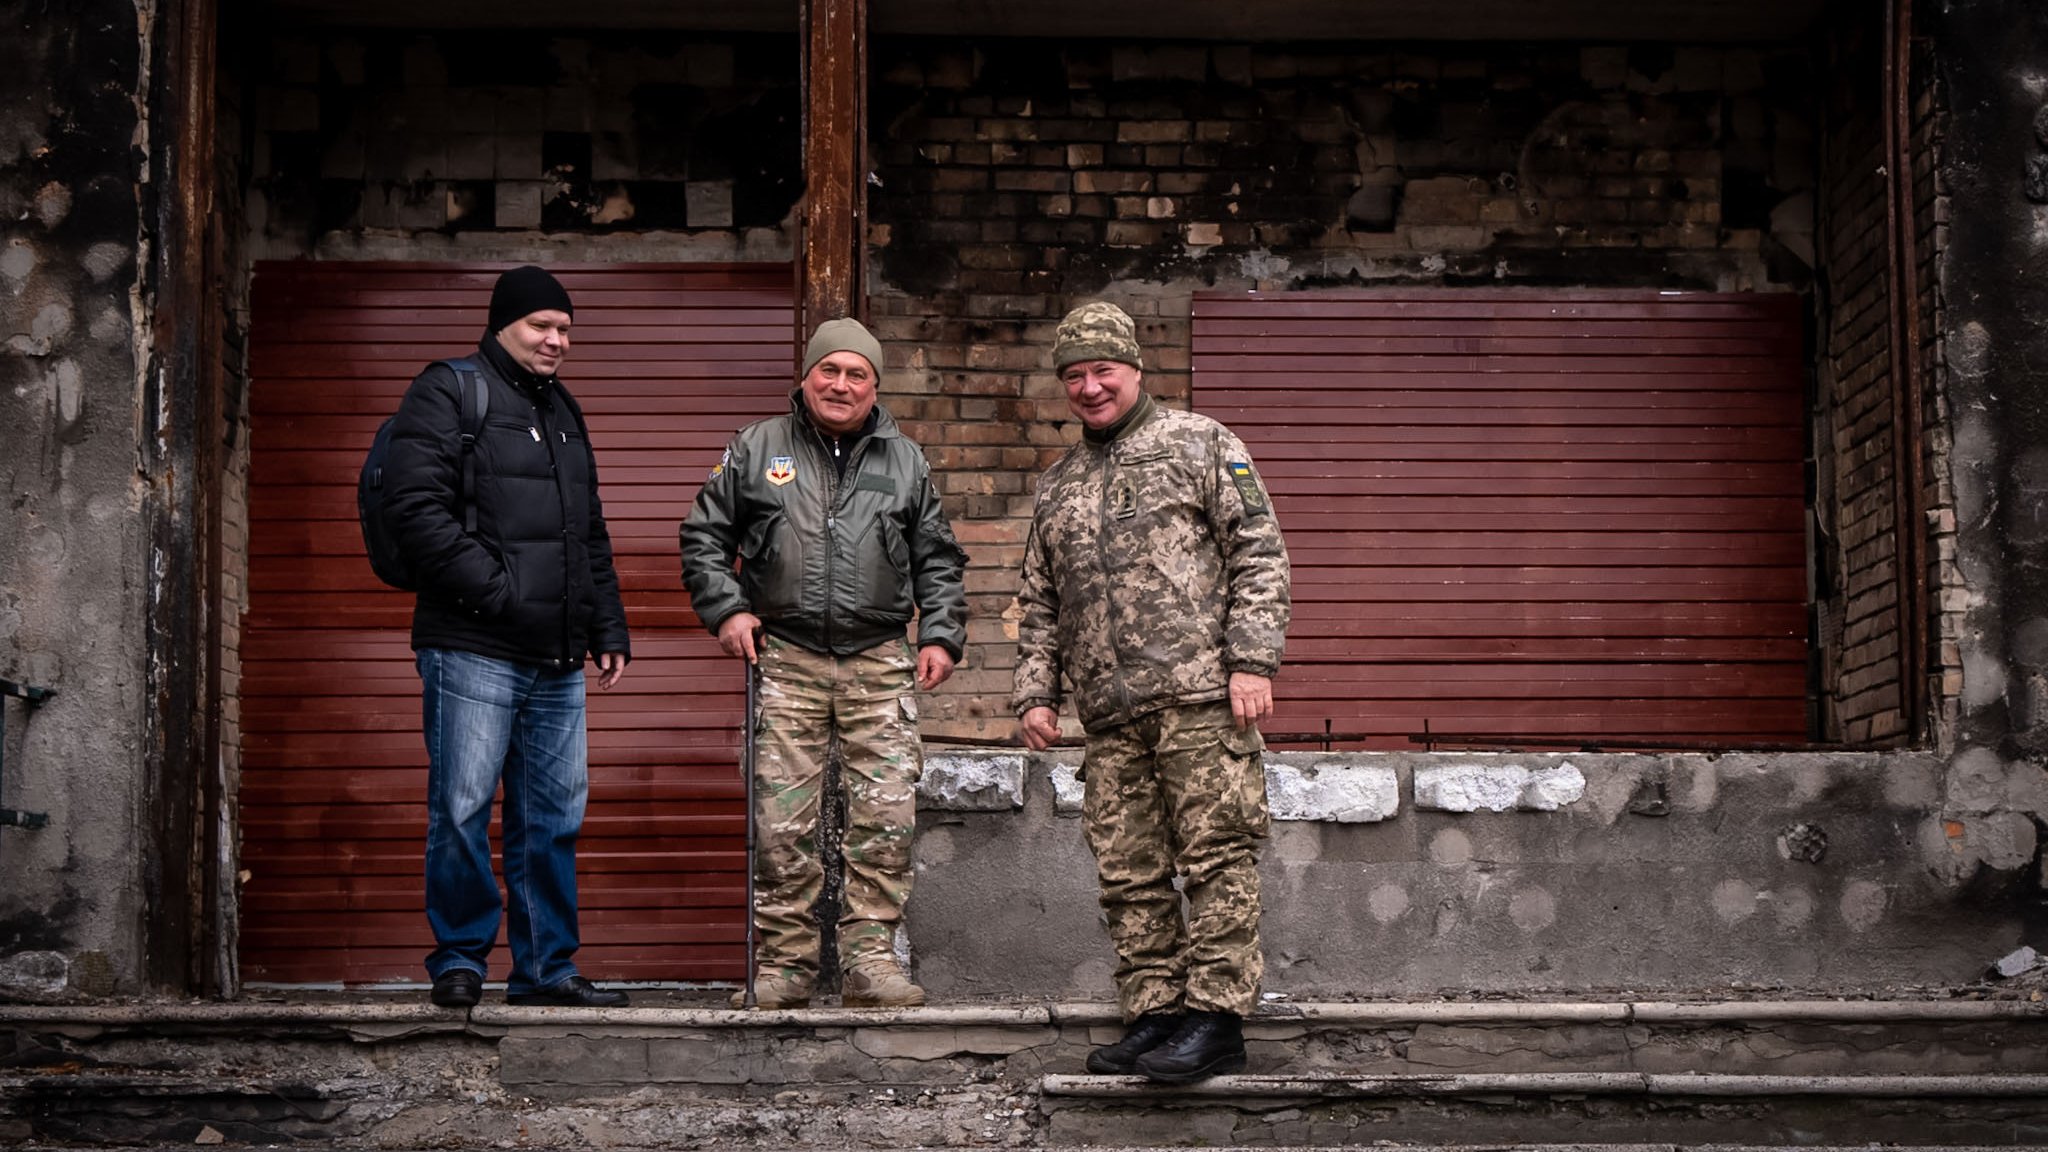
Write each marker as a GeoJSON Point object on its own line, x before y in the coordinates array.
{"type": "Point", "coordinates": [1856, 569]}
{"type": "Point", "coordinates": [1857, 601]}
{"type": "Point", "coordinates": [485, 133]}
{"type": "Point", "coordinates": [1945, 581]}
{"type": "Point", "coordinates": [1018, 178]}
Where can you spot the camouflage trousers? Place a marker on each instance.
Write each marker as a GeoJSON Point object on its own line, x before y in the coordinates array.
{"type": "Point", "coordinates": [1179, 792]}
{"type": "Point", "coordinates": [870, 701]}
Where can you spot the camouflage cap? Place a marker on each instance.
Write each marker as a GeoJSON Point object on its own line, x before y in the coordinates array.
{"type": "Point", "coordinates": [1098, 331]}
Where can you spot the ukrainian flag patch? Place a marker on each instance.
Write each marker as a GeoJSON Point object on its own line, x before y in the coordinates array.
{"type": "Point", "coordinates": [1248, 489]}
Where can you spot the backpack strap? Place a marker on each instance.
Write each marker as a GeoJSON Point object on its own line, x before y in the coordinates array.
{"type": "Point", "coordinates": [474, 394]}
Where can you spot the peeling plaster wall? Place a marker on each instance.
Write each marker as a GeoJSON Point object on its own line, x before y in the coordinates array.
{"type": "Point", "coordinates": [72, 580]}
{"type": "Point", "coordinates": [1993, 63]}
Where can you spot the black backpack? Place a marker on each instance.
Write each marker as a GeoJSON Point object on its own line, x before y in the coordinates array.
{"type": "Point", "coordinates": [386, 560]}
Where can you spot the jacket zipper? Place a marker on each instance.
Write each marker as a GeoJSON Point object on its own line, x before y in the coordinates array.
{"type": "Point", "coordinates": [547, 437]}
{"type": "Point", "coordinates": [833, 499]}
{"type": "Point", "coordinates": [1123, 687]}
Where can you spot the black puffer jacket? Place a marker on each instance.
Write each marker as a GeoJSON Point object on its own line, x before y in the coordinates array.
{"type": "Point", "coordinates": [535, 584]}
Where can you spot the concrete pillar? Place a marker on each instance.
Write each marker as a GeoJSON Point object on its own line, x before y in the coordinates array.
{"type": "Point", "coordinates": [1995, 271]}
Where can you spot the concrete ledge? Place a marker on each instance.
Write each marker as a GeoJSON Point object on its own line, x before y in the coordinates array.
{"type": "Point", "coordinates": [1547, 1083]}
{"type": "Point", "coordinates": [1077, 1013]}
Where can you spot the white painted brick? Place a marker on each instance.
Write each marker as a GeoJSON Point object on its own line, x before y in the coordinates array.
{"type": "Point", "coordinates": [1497, 787]}
{"type": "Point", "coordinates": [1302, 786]}
{"type": "Point", "coordinates": [971, 783]}
{"type": "Point", "coordinates": [1552, 788]}
{"type": "Point", "coordinates": [1067, 788]}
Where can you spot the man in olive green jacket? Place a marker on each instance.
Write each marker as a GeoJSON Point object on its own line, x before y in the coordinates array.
{"type": "Point", "coordinates": [839, 537]}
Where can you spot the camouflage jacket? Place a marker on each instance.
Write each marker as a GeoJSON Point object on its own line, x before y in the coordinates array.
{"type": "Point", "coordinates": [830, 563]}
{"type": "Point", "coordinates": [1154, 569]}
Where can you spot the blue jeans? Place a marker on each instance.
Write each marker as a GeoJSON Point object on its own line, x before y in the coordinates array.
{"type": "Point", "coordinates": [489, 720]}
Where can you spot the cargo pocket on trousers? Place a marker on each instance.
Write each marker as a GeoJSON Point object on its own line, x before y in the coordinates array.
{"type": "Point", "coordinates": [1244, 751]}
{"type": "Point", "coordinates": [906, 708]}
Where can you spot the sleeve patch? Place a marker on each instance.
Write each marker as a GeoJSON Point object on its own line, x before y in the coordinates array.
{"type": "Point", "coordinates": [718, 469]}
{"type": "Point", "coordinates": [1248, 489]}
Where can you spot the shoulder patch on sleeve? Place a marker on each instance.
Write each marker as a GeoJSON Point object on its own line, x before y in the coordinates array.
{"type": "Point", "coordinates": [1248, 489]}
{"type": "Point", "coordinates": [718, 469]}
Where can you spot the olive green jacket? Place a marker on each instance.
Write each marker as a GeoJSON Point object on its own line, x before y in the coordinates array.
{"type": "Point", "coordinates": [830, 564]}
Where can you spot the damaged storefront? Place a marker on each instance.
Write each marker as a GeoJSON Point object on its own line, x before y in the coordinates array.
{"type": "Point", "coordinates": [1640, 578]}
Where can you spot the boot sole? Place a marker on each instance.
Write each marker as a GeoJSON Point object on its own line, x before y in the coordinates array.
{"type": "Point", "coordinates": [866, 1002]}
{"type": "Point", "coordinates": [1221, 1066]}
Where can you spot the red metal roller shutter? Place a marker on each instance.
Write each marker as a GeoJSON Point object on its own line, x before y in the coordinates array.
{"type": "Point", "coordinates": [667, 362]}
{"type": "Point", "coordinates": [1556, 514]}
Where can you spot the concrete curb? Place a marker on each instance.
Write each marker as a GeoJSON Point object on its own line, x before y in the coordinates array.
{"type": "Point", "coordinates": [1090, 1014]}
{"type": "Point", "coordinates": [1546, 1083]}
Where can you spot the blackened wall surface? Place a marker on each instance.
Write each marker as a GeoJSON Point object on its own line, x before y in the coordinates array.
{"type": "Point", "coordinates": [1020, 177]}
{"type": "Point", "coordinates": [484, 133]}
{"type": "Point", "coordinates": [1994, 282]}
{"type": "Point", "coordinates": [72, 573]}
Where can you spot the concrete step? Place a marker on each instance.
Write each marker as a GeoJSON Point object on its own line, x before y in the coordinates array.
{"type": "Point", "coordinates": [405, 1074]}
{"type": "Point", "coordinates": [1255, 1111]}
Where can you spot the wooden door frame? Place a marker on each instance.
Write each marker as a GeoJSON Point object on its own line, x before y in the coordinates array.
{"type": "Point", "coordinates": [187, 893]}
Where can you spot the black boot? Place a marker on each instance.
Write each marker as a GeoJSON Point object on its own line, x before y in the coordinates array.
{"type": "Point", "coordinates": [1145, 1033]}
{"type": "Point", "coordinates": [570, 992]}
{"type": "Point", "coordinates": [1206, 1044]}
{"type": "Point", "coordinates": [457, 988]}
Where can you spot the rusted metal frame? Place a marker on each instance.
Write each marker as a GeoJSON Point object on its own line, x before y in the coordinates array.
{"type": "Point", "coordinates": [832, 253]}
{"type": "Point", "coordinates": [181, 457]}
{"type": "Point", "coordinates": [1901, 219]}
{"type": "Point", "coordinates": [31, 696]}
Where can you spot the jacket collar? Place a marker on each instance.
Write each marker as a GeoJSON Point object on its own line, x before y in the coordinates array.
{"type": "Point", "coordinates": [1129, 422]}
{"type": "Point", "coordinates": [508, 369]}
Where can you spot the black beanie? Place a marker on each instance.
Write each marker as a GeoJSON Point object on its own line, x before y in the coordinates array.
{"type": "Point", "coordinates": [522, 292]}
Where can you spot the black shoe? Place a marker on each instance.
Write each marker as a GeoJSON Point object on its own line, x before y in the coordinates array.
{"type": "Point", "coordinates": [457, 988]}
{"type": "Point", "coordinates": [573, 992]}
{"type": "Point", "coordinates": [1207, 1044]}
{"type": "Point", "coordinates": [1145, 1033]}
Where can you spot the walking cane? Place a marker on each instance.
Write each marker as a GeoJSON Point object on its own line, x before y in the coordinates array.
{"type": "Point", "coordinates": [753, 713]}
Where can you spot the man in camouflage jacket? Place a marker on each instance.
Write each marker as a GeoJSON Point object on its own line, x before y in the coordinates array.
{"type": "Point", "coordinates": [839, 538]}
{"type": "Point", "coordinates": [1156, 580]}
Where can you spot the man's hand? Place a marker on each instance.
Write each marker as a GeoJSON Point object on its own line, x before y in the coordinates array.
{"type": "Point", "coordinates": [736, 636]}
{"type": "Point", "coordinates": [934, 664]}
{"type": "Point", "coordinates": [1040, 727]}
{"type": "Point", "coordinates": [610, 667]}
{"type": "Point", "coordinates": [1251, 698]}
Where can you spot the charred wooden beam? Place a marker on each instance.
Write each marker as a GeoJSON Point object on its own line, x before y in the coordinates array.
{"type": "Point", "coordinates": [181, 459]}
{"type": "Point", "coordinates": [830, 268]}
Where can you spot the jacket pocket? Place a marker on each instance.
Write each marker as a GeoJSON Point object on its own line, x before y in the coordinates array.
{"type": "Point", "coordinates": [884, 559]}
{"type": "Point", "coordinates": [505, 597]}
{"type": "Point", "coordinates": [771, 566]}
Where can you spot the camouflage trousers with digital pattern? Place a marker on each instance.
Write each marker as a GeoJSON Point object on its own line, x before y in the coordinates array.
{"type": "Point", "coordinates": [1180, 791]}
{"type": "Point", "coordinates": [870, 700]}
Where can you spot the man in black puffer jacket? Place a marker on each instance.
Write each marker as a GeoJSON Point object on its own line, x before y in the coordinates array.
{"type": "Point", "coordinates": [504, 618]}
